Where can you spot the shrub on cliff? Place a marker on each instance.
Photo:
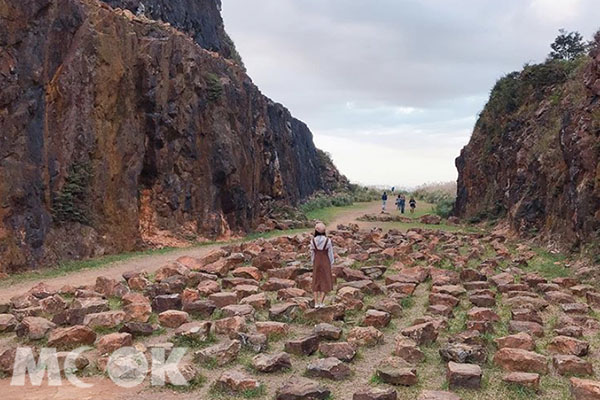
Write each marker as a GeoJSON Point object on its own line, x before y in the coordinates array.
{"type": "Point", "coordinates": [70, 203]}
{"type": "Point", "coordinates": [567, 46]}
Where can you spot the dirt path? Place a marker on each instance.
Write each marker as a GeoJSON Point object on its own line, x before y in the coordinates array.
{"type": "Point", "coordinates": [151, 263]}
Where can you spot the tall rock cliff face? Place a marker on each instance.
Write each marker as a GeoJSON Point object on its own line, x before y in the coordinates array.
{"type": "Point", "coordinates": [533, 158]}
{"type": "Point", "coordinates": [200, 19]}
{"type": "Point", "coordinates": [118, 130]}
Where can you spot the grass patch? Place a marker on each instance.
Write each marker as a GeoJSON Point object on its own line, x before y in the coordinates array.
{"type": "Point", "coordinates": [115, 303]}
{"type": "Point", "coordinates": [328, 214]}
{"type": "Point", "coordinates": [375, 379]}
{"type": "Point", "coordinates": [407, 302]}
{"type": "Point", "coordinates": [194, 342]}
{"type": "Point", "coordinates": [193, 384]}
{"type": "Point", "coordinates": [217, 392]}
{"type": "Point", "coordinates": [548, 265]}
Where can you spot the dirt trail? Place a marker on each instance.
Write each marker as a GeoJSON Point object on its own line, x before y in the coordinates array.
{"type": "Point", "coordinates": [151, 263]}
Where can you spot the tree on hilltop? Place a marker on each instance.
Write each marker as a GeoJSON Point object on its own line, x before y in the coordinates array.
{"type": "Point", "coordinates": [567, 46]}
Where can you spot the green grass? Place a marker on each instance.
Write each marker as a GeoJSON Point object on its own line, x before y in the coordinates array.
{"type": "Point", "coordinates": [548, 265]}
{"type": "Point", "coordinates": [193, 342]}
{"type": "Point", "coordinates": [193, 384]}
{"type": "Point", "coordinates": [328, 214]}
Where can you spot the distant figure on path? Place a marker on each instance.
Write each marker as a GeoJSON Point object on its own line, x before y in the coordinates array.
{"type": "Point", "coordinates": [393, 187]}
{"type": "Point", "coordinates": [321, 255]}
{"type": "Point", "coordinates": [401, 202]}
{"type": "Point", "coordinates": [413, 204]}
{"type": "Point", "coordinates": [383, 201]}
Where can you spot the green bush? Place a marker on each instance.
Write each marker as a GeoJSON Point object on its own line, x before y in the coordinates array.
{"type": "Point", "coordinates": [355, 193]}
{"type": "Point", "coordinates": [214, 87]}
{"type": "Point", "coordinates": [70, 203]}
{"type": "Point", "coordinates": [444, 208]}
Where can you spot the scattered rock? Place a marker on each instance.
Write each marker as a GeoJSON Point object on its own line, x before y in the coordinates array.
{"type": "Point", "coordinates": [463, 375]}
{"type": "Point", "coordinates": [519, 360]}
{"type": "Point", "coordinates": [272, 363]}
{"type": "Point", "coordinates": [330, 368]}
{"type": "Point", "coordinates": [298, 388]}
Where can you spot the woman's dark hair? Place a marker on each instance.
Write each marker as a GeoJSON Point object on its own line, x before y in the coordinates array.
{"type": "Point", "coordinates": [320, 234]}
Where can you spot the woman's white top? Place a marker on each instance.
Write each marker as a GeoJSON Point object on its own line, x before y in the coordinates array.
{"type": "Point", "coordinates": [322, 243]}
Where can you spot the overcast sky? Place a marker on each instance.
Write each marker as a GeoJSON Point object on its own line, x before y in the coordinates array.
{"type": "Point", "coordinates": [392, 88]}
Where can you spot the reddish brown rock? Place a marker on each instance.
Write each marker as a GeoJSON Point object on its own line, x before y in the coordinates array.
{"type": "Point", "coordinates": [208, 287]}
{"type": "Point", "coordinates": [376, 318]}
{"type": "Point", "coordinates": [227, 326]}
{"type": "Point", "coordinates": [482, 314]}
{"type": "Point", "coordinates": [259, 301]}
{"type": "Point", "coordinates": [327, 331]}
{"type": "Point", "coordinates": [568, 345]}
{"type": "Point", "coordinates": [530, 380]}
{"type": "Point", "coordinates": [526, 326]}
{"type": "Point", "coordinates": [463, 375]}
{"type": "Point", "coordinates": [520, 340]}
{"type": "Point", "coordinates": [196, 330]}
{"type": "Point", "coordinates": [275, 284]}
{"type": "Point", "coordinates": [396, 371]}
{"type": "Point", "coordinates": [220, 354]}
{"type": "Point", "coordinates": [271, 328]}
{"type": "Point", "coordinates": [424, 333]}
{"type": "Point", "coordinates": [325, 314]}
{"type": "Point", "coordinates": [173, 318]}
{"type": "Point", "coordinates": [104, 320]}
{"type": "Point", "coordinates": [236, 382]}
{"type": "Point", "coordinates": [519, 360]}
{"type": "Point", "coordinates": [329, 368]}
{"type": "Point", "coordinates": [437, 395]}
{"type": "Point", "coordinates": [248, 272]}
{"type": "Point", "coordinates": [585, 389]}
{"type": "Point", "coordinates": [34, 328]}
{"type": "Point", "coordinates": [297, 388]}
{"type": "Point", "coordinates": [503, 278]}
{"type": "Point", "coordinates": [408, 350]}
{"type": "Point", "coordinates": [571, 365]}
{"type": "Point", "coordinates": [375, 394]}
{"type": "Point", "coordinates": [222, 299]}
{"type": "Point", "coordinates": [365, 336]}
{"type": "Point", "coordinates": [303, 347]}
{"type": "Point", "coordinates": [71, 336]}
{"type": "Point", "coordinates": [8, 322]}
{"type": "Point", "coordinates": [343, 351]}
{"type": "Point", "coordinates": [113, 341]}
{"type": "Point", "coordinates": [272, 363]}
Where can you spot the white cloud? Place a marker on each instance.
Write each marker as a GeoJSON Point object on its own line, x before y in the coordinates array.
{"type": "Point", "coordinates": [556, 10]}
{"type": "Point", "coordinates": [392, 81]}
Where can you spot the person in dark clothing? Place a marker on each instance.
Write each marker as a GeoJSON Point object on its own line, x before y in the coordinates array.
{"type": "Point", "coordinates": [383, 202]}
{"type": "Point", "coordinates": [413, 204]}
{"type": "Point", "coordinates": [400, 202]}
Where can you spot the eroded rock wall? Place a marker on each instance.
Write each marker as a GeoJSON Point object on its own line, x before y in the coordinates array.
{"type": "Point", "coordinates": [533, 158]}
{"type": "Point", "coordinates": [118, 131]}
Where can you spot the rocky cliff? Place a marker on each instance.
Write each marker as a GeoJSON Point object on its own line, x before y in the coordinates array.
{"type": "Point", "coordinates": [533, 158]}
{"type": "Point", "coordinates": [119, 131]}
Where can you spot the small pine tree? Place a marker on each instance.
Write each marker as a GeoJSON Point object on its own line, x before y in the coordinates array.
{"type": "Point", "coordinates": [567, 46]}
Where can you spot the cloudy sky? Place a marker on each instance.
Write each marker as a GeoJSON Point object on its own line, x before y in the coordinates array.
{"type": "Point", "coordinates": [392, 88]}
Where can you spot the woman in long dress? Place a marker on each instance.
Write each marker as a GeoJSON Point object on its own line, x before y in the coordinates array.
{"type": "Point", "coordinates": [321, 251]}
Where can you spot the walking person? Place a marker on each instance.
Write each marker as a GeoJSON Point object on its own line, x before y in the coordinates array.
{"type": "Point", "coordinates": [413, 204]}
{"type": "Point", "coordinates": [401, 201]}
{"type": "Point", "coordinates": [321, 255]}
{"type": "Point", "coordinates": [383, 201]}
